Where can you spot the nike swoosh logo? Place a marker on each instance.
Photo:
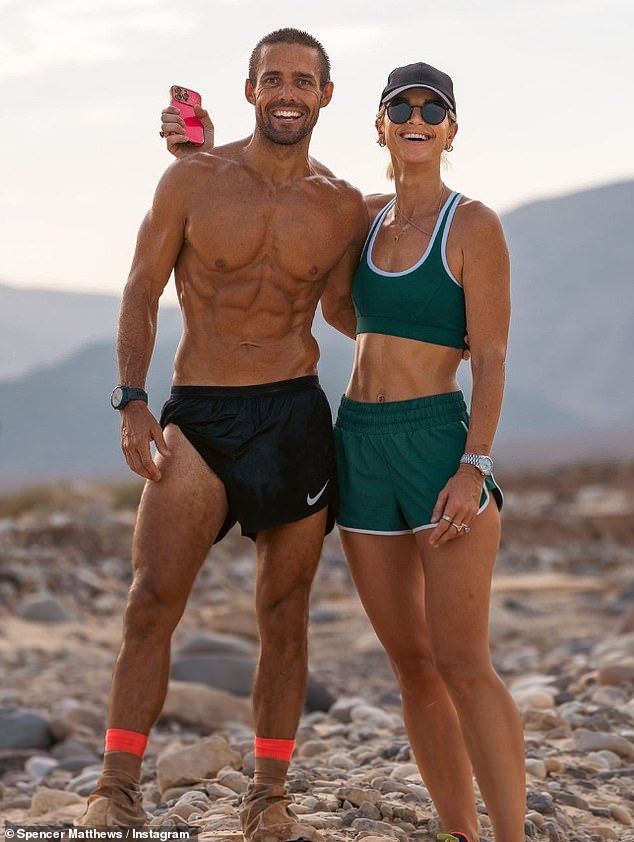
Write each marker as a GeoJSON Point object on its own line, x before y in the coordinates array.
{"type": "Point", "coordinates": [312, 500]}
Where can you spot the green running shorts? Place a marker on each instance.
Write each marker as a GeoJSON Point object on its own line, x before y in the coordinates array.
{"type": "Point", "coordinates": [393, 459]}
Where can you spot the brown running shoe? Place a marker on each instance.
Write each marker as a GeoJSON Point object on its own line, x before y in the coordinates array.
{"type": "Point", "coordinates": [116, 802]}
{"type": "Point", "coordinates": [265, 817]}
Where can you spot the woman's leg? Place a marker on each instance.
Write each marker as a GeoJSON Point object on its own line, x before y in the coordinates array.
{"type": "Point", "coordinates": [388, 574]}
{"type": "Point", "coordinates": [458, 583]}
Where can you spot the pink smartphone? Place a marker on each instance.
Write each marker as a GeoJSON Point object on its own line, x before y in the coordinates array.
{"type": "Point", "coordinates": [184, 99]}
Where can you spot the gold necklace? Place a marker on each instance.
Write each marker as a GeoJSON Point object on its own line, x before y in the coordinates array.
{"type": "Point", "coordinates": [402, 227]}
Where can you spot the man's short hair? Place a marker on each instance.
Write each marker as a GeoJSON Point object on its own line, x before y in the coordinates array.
{"type": "Point", "coordinates": [289, 35]}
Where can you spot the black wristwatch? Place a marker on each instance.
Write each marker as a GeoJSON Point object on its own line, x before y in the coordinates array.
{"type": "Point", "coordinates": [122, 395]}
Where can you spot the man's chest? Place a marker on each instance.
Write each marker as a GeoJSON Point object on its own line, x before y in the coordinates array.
{"type": "Point", "coordinates": [299, 232]}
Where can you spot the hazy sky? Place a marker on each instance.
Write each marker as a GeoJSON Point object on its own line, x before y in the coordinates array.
{"type": "Point", "coordinates": [543, 90]}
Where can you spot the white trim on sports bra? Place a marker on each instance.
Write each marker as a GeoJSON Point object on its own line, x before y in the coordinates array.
{"type": "Point", "coordinates": [379, 221]}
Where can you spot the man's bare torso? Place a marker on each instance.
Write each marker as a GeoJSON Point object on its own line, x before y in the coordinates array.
{"type": "Point", "coordinates": [256, 258]}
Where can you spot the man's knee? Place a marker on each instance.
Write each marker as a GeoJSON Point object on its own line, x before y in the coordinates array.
{"type": "Point", "coordinates": [152, 608]}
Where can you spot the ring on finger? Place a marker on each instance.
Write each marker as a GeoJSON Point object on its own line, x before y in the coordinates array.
{"type": "Point", "coordinates": [465, 527]}
{"type": "Point", "coordinates": [448, 519]}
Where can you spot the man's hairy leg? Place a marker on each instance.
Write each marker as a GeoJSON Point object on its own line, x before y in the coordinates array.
{"type": "Point", "coordinates": [287, 560]}
{"type": "Point", "coordinates": [178, 519]}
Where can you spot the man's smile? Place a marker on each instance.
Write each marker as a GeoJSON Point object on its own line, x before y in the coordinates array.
{"type": "Point", "coordinates": [286, 114]}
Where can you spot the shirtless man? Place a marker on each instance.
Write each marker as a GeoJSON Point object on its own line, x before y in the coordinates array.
{"type": "Point", "coordinates": [255, 231]}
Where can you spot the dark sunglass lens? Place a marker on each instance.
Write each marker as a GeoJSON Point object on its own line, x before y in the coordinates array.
{"type": "Point", "coordinates": [399, 112]}
{"type": "Point", "coordinates": [433, 113]}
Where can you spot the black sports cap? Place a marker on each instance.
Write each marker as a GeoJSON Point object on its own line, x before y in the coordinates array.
{"type": "Point", "coordinates": [419, 75]}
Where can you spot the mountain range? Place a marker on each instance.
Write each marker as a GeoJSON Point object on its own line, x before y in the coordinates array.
{"type": "Point", "coordinates": [569, 372]}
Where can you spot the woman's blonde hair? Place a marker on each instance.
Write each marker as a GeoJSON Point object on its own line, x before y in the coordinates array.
{"type": "Point", "coordinates": [379, 119]}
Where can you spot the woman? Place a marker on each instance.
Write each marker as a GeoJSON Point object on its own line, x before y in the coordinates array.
{"type": "Point", "coordinates": [419, 508]}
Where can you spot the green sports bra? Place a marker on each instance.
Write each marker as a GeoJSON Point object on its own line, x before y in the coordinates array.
{"type": "Point", "coordinates": [424, 302]}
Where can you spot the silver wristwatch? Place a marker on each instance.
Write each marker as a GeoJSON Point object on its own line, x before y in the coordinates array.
{"type": "Point", "coordinates": [483, 463]}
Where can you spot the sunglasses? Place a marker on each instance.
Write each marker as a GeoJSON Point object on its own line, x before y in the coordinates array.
{"type": "Point", "coordinates": [432, 112]}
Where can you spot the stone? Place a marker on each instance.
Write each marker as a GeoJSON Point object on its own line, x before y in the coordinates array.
{"type": "Point", "coordinates": [553, 764]}
{"type": "Point", "coordinates": [536, 818]}
{"type": "Point", "coordinates": [531, 697]}
{"type": "Point", "coordinates": [39, 767]}
{"type": "Point", "coordinates": [213, 643]}
{"type": "Point", "coordinates": [406, 771]}
{"type": "Point", "coordinates": [341, 710]}
{"type": "Point", "coordinates": [585, 740]}
{"type": "Point", "coordinates": [192, 764]}
{"type": "Point", "coordinates": [204, 708]}
{"type": "Point", "coordinates": [343, 761]}
{"type": "Point", "coordinates": [224, 672]}
{"type": "Point", "coordinates": [84, 783]}
{"type": "Point", "coordinates": [540, 802]}
{"type": "Point", "coordinates": [553, 832]}
{"type": "Point", "coordinates": [72, 718]}
{"type": "Point", "coordinates": [47, 800]}
{"type": "Point", "coordinates": [22, 728]}
{"type": "Point", "coordinates": [43, 608]}
{"type": "Point", "coordinates": [540, 719]}
{"type": "Point", "coordinates": [603, 832]}
{"type": "Point", "coordinates": [605, 759]}
{"type": "Point", "coordinates": [373, 716]}
{"type": "Point", "coordinates": [235, 781]}
{"type": "Point", "coordinates": [621, 814]}
{"type": "Point", "coordinates": [570, 799]}
{"type": "Point", "coordinates": [312, 748]}
{"type": "Point", "coordinates": [369, 811]}
{"type": "Point", "coordinates": [615, 674]}
{"type": "Point", "coordinates": [358, 795]}
{"type": "Point", "coordinates": [377, 828]}
{"type": "Point", "coordinates": [234, 674]}
{"type": "Point", "coordinates": [536, 768]}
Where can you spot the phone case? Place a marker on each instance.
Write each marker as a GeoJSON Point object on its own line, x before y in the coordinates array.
{"type": "Point", "coordinates": [184, 99]}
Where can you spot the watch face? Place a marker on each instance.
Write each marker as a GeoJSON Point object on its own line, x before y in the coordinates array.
{"type": "Point", "coordinates": [117, 397]}
{"type": "Point", "coordinates": [485, 464]}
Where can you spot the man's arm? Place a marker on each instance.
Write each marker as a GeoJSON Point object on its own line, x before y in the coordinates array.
{"type": "Point", "coordinates": [336, 299]}
{"type": "Point", "coordinates": [159, 241]}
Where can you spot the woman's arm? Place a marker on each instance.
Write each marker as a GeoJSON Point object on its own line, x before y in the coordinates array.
{"type": "Point", "coordinates": [486, 282]}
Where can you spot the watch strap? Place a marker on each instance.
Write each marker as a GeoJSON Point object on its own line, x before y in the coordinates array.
{"type": "Point", "coordinates": [128, 393]}
{"type": "Point", "coordinates": [476, 460]}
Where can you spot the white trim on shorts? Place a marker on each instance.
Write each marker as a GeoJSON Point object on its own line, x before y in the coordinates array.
{"type": "Point", "coordinates": [480, 510]}
{"type": "Point", "coordinates": [373, 531]}
{"type": "Point", "coordinates": [415, 528]}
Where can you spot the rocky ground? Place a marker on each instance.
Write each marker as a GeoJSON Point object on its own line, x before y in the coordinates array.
{"type": "Point", "coordinates": [562, 626]}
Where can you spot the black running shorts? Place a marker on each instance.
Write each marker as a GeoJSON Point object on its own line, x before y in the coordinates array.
{"type": "Point", "coordinates": [271, 445]}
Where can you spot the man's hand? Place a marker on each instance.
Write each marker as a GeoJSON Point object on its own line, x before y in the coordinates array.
{"type": "Point", "coordinates": [173, 129]}
{"type": "Point", "coordinates": [138, 429]}
{"type": "Point", "coordinates": [466, 354]}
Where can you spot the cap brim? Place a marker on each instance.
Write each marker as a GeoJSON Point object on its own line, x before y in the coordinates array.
{"type": "Point", "coordinates": [398, 91]}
